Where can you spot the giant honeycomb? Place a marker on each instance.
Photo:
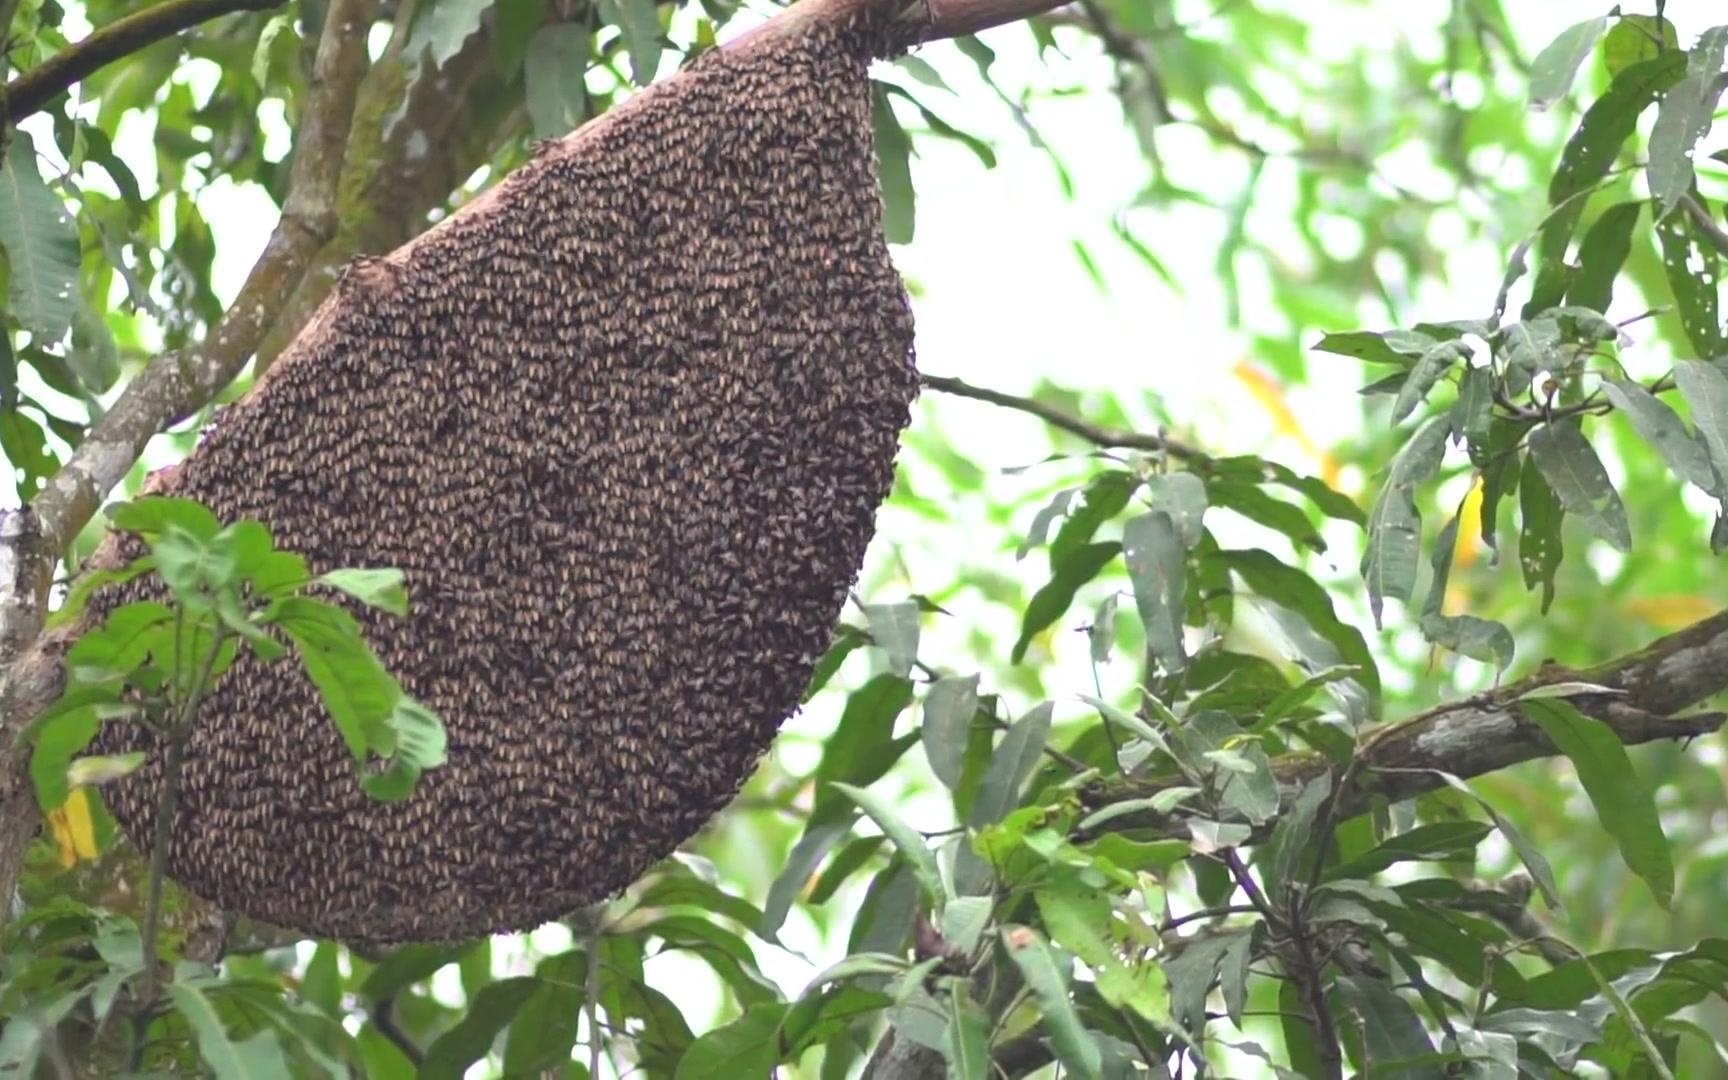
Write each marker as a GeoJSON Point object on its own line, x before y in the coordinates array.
{"type": "Point", "coordinates": [625, 427]}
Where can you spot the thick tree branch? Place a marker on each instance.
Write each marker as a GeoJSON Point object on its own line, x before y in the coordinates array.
{"type": "Point", "coordinates": [1488, 732]}
{"type": "Point", "coordinates": [120, 38]}
{"type": "Point", "coordinates": [1056, 418]}
{"type": "Point", "coordinates": [173, 386]}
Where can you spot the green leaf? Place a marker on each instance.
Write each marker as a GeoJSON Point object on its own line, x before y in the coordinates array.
{"type": "Point", "coordinates": [1390, 1029]}
{"type": "Point", "coordinates": [381, 589]}
{"type": "Point", "coordinates": [58, 741]}
{"type": "Point", "coordinates": [1578, 480]}
{"type": "Point", "coordinates": [1395, 524]}
{"type": "Point", "coordinates": [1290, 588]}
{"type": "Point", "coordinates": [257, 1058]}
{"type": "Point", "coordinates": [1155, 558]}
{"type": "Point", "coordinates": [1013, 761]}
{"type": "Point", "coordinates": [894, 629]}
{"type": "Point", "coordinates": [964, 920]}
{"type": "Point", "coordinates": [1262, 509]}
{"type": "Point", "coordinates": [443, 28]}
{"type": "Point", "coordinates": [554, 71]}
{"type": "Point", "coordinates": [949, 706]}
{"type": "Point", "coordinates": [191, 566]}
{"type": "Point", "coordinates": [153, 515]}
{"type": "Point", "coordinates": [356, 690]}
{"type": "Point", "coordinates": [846, 640]}
{"type": "Point", "coordinates": [1685, 117]}
{"type": "Point", "coordinates": [894, 170]}
{"type": "Point", "coordinates": [1104, 496]}
{"type": "Point", "coordinates": [967, 1046]}
{"type": "Point", "coordinates": [1705, 388]}
{"type": "Point", "coordinates": [1183, 496]}
{"type": "Point", "coordinates": [1693, 269]}
{"type": "Point", "coordinates": [1554, 68]}
{"type": "Point", "coordinates": [1401, 347]}
{"type": "Point", "coordinates": [419, 745]}
{"type": "Point", "coordinates": [1636, 38]}
{"type": "Point", "coordinates": [818, 839]}
{"type": "Point", "coordinates": [1624, 804]}
{"type": "Point", "coordinates": [1663, 429]}
{"type": "Point", "coordinates": [408, 965]}
{"type": "Point", "coordinates": [639, 21]}
{"type": "Point", "coordinates": [1191, 971]}
{"type": "Point", "coordinates": [817, 1017]}
{"type": "Point", "coordinates": [472, 1036]}
{"type": "Point", "coordinates": [513, 26]}
{"type": "Point", "coordinates": [123, 640]}
{"type": "Point", "coordinates": [1078, 918]}
{"type": "Point", "coordinates": [1071, 570]}
{"type": "Point", "coordinates": [1442, 841]}
{"type": "Point", "coordinates": [1430, 367]}
{"type": "Point", "coordinates": [1068, 1038]}
{"type": "Point", "coordinates": [1539, 540]}
{"type": "Point", "coordinates": [1534, 861]}
{"type": "Point", "coordinates": [1289, 841]}
{"type": "Point", "coordinates": [1606, 126]}
{"type": "Point", "coordinates": [1601, 255]}
{"type": "Point", "coordinates": [41, 246]}
{"type": "Point", "coordinates": [911, 845]}
{"type": "Point", "coordinates": [1479, 639]}
{"type": "Point", "coordinates": [1041, 522]}
{"type": "Point", "coordinates": [862, 747]}
{"type": "Point", "coordinates": [748, 1046]}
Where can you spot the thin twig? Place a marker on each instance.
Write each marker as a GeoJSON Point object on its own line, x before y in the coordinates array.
{"type": "Point", "coordinates": [120, 38]}
{"type": "Point", "coordinates": [1093, 433]}
{"type": "Point", "coordinates": [1706, 224]}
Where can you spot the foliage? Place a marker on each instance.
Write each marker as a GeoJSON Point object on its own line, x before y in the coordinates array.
{"type": "Point", "coordinates": [1153, 844]}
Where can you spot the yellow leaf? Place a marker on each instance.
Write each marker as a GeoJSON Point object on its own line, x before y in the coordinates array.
{"type": "Point", "coordinates": [74, 831]}
{"type": "Point", "coordinates": [1670, 612]}
{"type": "Point", "coordinates": [1271, 397]}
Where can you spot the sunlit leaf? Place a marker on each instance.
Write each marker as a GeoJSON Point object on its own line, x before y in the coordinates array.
{"type": "Point", "coordinates": [1156, 560]}
{"type": "Point", "coordinates": [1395, 524]}
{"type": "Point", "coordinates": [1576, 476]}
{"type": "Point", "coordinates": [1038, 966]}
{"type": "Point", "coordinates": [1554, 68]}
{"type": "Point", "coordinates": [894, 169]}
{"type": "Point", "coordinates": [949, 706]}
{"type": "Point", "coordinates": [553, 72]}
{"type": "Point", "coordinates": [41, 245]}
{"type": "Point", "coordinates": [639, 21]}
{"type": "Point", "coordinates": [894, 629]}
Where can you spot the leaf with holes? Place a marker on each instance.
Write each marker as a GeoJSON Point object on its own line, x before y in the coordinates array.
{"type": "Point", "coordinates": [1579, 481]}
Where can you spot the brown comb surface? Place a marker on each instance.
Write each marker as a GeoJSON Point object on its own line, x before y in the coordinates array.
{"type": "Point", "coordinates": [626, 429]}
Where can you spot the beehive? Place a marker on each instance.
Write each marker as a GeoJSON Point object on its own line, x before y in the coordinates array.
{"type": "Point", "coordinates": [625, 426]}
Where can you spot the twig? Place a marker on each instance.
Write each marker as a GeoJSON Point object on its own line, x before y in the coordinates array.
{"type": "Point", "coordinates": [383, 1016]}
{"type": "Point", "coordinates": [1706, 224]}
{"type": "Point", "coordinates": [122, 37]}
{"type": "Point", "coordinates": [1093, 433]}
{"type": "Point", "coordinates": [1208, 913]}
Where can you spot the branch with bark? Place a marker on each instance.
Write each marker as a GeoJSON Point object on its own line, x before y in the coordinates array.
{"type": "Point", "coordinates": [119, 39]}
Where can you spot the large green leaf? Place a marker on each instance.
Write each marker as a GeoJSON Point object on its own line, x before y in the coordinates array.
{"type": "Point", "coordinates": [554, 72]}
{"type": "Point", "coordinates": [639, 22]}
{"type": "Point", "coordinates": [1071, 569]}
{"type": "Point", "coordinates": [1685, 117]}
{"type": "Point", "coordinates": [1624, 803]}
{"type": "Point", "coordinates": [258, 1057]}
{"type": "Point", "coordinates": [1554, 68]}
{"type": "Point", "coordinates": [949, 707]}
{"type": "Point", "coordinates": [894, 169]}
{"type": "Point", "coordinates": [41, 246]}
{"type": "Point", "coordinates": [442, 26]}
{"type": "Point", "coordinates": [1705, 388]}
{"type": "Point", "coordinates": [1575, 474]}
{"type": "Point", "coordinates": [471, 1038]}
{"type": "Point", "coordinates": [1663, 429]}
{"type": "Point", "coordinates": [1049, 985]}
{"type": "Point", "coordinates": [748, 1046]}
{"type": "Point", "coordinates": [1153, 551]}
{"type": "Point", "coordinates": [1395, 524]}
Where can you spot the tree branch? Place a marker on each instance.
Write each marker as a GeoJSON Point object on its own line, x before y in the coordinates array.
{"type": "Point", "coordinates": [1487, 732]}
{"type": "Point", "coordinates": [122, 37]}
{"type": "Point", "coordinates": [173, 386]}
{"type": "Point", "coordinates": [1092, 433]}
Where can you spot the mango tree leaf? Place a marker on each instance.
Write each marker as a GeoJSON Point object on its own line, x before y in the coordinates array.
{"type": "Point", "coordinates": [1534, 861]}
{"type": "Point", "coordinates": [912, 846]}
{"type": "Point", "coordinates": [967, 1046]}
{"type": "Point", "coordinates": [408, 965]}
{"type": "Point", "coordinates": [472, 1036]}
{"type": "Point", "coordinates": [1068, 1038]}
{"type": "Point", "coordinates": [1554, 68]}
{"type": "Point", "coordinates": [58, 741]}
{"type": "Point", "coordinates": [257, 1058]}
{"type": "Point", "coordinates": [1685, 117]}
{"type": "Point", "coordinates": [1289, 842]}
{"type": "Point", "coordinates": [40, 243]}
{"type": "Point", "coordinates": [1636, 38]}
{"type": "Point", "coordinates": [1156, 562]}
{"type": "Point", "coordinates": [543, 1028]}
{"type": "Point", "coordinates": [442, 29]}
{"type": "Point", "coordinates": [639, 22]}
{"type": "Point", "coordinates": [1442, 841]}
{"type": "Point", "coordinates": [748, 1046]}
{"type": "Point", "coordinates": [553, 73]}
{"type": "Point", "coordinates": [1429, 369]}
{"type": "Point", "coordinates": [1191, 972]}
{"type": "Point", "coordinates": [153, 515]}
{"type": "Point", "coordinates": [1391, 1030]}
{"type": "Point", "coordinates": [1401, 347]}
{"type": "Point", "coordinates": [1013, 761]}
{"type": "Point", "coordinates": [356, 690]}
{"type": "Point", "coordinates": [894, 169]}
{"type": "Point", "coordinates": [1071, 570]}
{"type": "Point", "coordinates": [818, 839]}
{"type": "Point", "coordinates": [949, 706]}
{"type": "Point", "coordinates": [1689, 259]}
{"type": "Point", "coordinates": [1395, 524]}
{"type": "Point", "coordinates": [1662, 428]}
{"type": "Point", "coordinates": [1182, 495]}
{"type": "Point", "coordinates": [1041, 522]}
{"type": "Point", "coordinates": [1624, 804]}
{"type": "Point", "coordinates": [1257, 506]}
{"type": "Point", "coordinates": [862, 747]}
{"type": "Point", "coordinates": [1540, 548]}
{"type": "Point", "coordinates": [1578, 480]}
{"type": "Point", "coordinates": [1479, 639]}
{"type": "Point", "coordinates": [894, 629]}
{"type": "Point", "coordinates": [1601, 254]}
{"type": "Point", "coordinates": [1705, 388]}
